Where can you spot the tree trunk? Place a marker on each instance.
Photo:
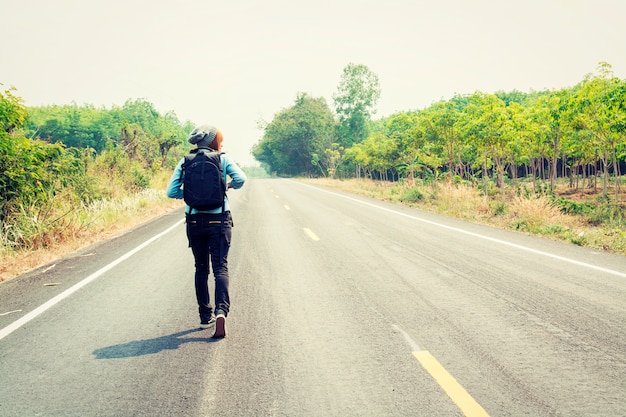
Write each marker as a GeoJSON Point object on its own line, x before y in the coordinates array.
{"type": "Point", "coordinates": [605, 175]}
{"type": "Point", "coordinates": [533, 168]}
{"type": "Point", "coordinates": [485, 176]}
{"type": "Point", "coordinates": [616, 172]}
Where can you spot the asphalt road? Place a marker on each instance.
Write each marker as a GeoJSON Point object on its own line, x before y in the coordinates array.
{"type": "Point", "coordinates": [341, 306]}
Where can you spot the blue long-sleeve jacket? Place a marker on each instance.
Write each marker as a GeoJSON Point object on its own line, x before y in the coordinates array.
{"type": "Point", "coordinates": [237, 176]}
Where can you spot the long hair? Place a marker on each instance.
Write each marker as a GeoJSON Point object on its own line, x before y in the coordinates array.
{"type": "Point", "coordinates": [216, 145]}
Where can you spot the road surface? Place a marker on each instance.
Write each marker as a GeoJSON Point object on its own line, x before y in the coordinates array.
{"type": "Point", "coordinates": [341, 306]}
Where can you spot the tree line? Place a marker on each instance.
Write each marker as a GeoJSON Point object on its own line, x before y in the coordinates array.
{"type": "Point", "coordinates": [136, 127]}
{"type": "Point", "coordinates": [56, 158]}
{"type": "Point", "coordinates": [577, 132]}
{"type": "Point", "coordinates": [60, 158]}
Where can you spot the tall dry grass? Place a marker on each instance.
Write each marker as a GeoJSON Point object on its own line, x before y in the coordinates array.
{"type": "Point", "coordinates": [527, 213]}
{"type": "Point", "coordinates": [67, 228]}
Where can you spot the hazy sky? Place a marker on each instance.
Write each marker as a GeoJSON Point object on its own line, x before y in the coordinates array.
{"type": "Point", "coordinates": [232, 63]}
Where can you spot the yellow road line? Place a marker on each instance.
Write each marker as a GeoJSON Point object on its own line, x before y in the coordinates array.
{"type": "Point", "coordinates": [310, 233]}
{"type": "Point", "coordinates": [455, 391]}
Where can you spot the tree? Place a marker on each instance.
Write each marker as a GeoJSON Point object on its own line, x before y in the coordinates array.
{"type": "Point", "coordinates": [404, 130]}
{"type": "Point", "coordinates": [170, 134]}
{"type": "Point", "coordinates": [525, 144]}
{"type": "Point", "coordinates": [550, 111]}
{"type": "Point", "coordinates": [440, 123]}
{"type": "Point", "coordinates": [334, 157]}
{"type": "Point", "coordinates": [295, 141]}
{"type": "Point", "coordinates": [599, 104]}
{"type": "Point", "coordinates": [137, 127]}
{"type": "Point", "coordinates": [31, 171]}
{"type": "Point", "coordinates": [12, 111]}
{"type": "Point", "coordinates": [355, 103]}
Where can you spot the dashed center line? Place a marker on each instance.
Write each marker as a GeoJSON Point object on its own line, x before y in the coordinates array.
{"type": "Point", "coordinates": [310, 234]}
{"type": "Point", "coordinates": [466, 232]}
{"type": "Point", "coordinates": [287, 207]}
{"type": "Point", "coordinates": [446, 381]}
{"type": "Point", "coordinates": [450, 385]}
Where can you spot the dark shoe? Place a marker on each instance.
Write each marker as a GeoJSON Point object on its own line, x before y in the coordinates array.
{"type": "Point", "coordinates": [220, 322]}
{"type": "Point", "coordinates": [206, 321]}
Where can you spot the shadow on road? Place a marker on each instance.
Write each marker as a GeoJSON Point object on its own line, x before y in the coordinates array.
{"type": "Point", "coordinates": [150, 346]}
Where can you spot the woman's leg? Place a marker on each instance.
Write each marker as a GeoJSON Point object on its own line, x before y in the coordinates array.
{"type": "Point", "coordinates": [200, 247]}
{"type": "Point", "coordinates": [219, 247]}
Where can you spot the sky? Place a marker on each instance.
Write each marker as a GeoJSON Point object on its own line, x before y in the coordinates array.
{"type": "Point", "coordinates": [235, 64]}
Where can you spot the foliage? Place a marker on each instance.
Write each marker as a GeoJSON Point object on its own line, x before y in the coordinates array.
{"type": "Point", "coordinates": [31, 172]}
{"type": "Point", "coordinates": [57, 160]}
{"type": "Point", "coordinates": [355, 102]}
{"type": "Point", "coordinates": [137, 127]}
{"type": "Point", "coordinates": [294, 143]}
{"type": "Point", "coordinates": [308, 139]}
{"type": "Point", "coordinates": [493, 139]}
{"type": "Point", "coordinates": [12, 111]}
{"type": "Point", "coordinates": [377, 155]}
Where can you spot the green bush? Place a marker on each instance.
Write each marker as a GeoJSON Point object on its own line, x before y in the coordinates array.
{"type": "Point", "coordinates": [573, 207]}
{"type": "Point", "coordinates": [140, 179]}
{"type": "Point", "coordinates": [498, 208]}
{"type": "Point", "coordinates": [411, 195]}
{"type": "Point", "coordinates": [608, 214]}
{"type": "Point", "coordinates": [602, 211]}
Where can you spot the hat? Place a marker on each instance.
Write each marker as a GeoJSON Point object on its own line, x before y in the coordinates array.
{"type": "Point", "coordinates": [202, 136]}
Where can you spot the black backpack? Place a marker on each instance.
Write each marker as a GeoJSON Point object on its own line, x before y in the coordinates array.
{"type": "Point", "coordinates": [204, 186]}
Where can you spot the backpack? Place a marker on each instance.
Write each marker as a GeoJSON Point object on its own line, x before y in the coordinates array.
{"type": "Point", "coordinates": [204, 186]}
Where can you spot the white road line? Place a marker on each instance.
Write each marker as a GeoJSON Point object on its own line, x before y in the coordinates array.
{"type": "Point", "coordinates": [28, 317]}
{"type": "Point", "coordinates": [310, 234]}
{"type": "Point", "coordinates": [414, 346]}
{"type": "Point", "coordinates": [502, 242]}
{"type": "Point", "coordinates": [10, 312]}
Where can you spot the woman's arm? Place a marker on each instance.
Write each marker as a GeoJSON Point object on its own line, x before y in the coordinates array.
{"type": "Point", "coordinates": [238, 177]}
{"type": "Point", "coordinates": [174, 187]}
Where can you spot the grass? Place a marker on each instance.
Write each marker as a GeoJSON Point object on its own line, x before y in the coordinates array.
{"type": "Point", "coordinates": [82, 225]}
{"type": "Point", "coordinates": [596, 225]}
{"type": "Point", "coordinates": [580, 219]}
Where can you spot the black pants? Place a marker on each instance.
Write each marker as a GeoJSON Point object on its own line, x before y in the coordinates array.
{"type": "Point", "coordinates": [209, 240]}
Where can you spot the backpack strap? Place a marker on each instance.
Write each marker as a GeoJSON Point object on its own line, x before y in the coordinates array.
{"type": "Point", "coordinates": [187, 158]}
{"type": "Point", "coordinates": [223, 200]}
